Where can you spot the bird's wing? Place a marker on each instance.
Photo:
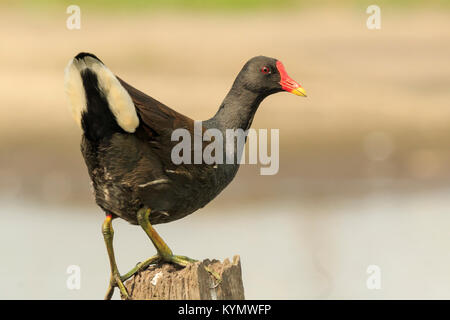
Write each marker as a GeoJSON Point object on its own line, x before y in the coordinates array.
{"type": "Point", "coordinates": [157, 122]}
{"type": "Point", "coordinates": [157, 119]}
{"type": "Point", "coordinates": [156, 126]}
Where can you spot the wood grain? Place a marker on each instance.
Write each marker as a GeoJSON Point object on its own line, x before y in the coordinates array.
{"type": "Point", "coordinates": [194, 282]}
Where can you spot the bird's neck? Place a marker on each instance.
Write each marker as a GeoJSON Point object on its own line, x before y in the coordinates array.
{"type": "Point", "coordinates": [237, 109]}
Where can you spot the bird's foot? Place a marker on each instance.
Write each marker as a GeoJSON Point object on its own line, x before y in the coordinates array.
{"type": "Point", "coordinates": [164, 252]}
{"type": "Point", "coordinates": [181, 261]}
{"type": "Point", "coordinates": [184, 261]}
{"type": "Point", "coordinates": [116, 281]}
{"type": "Point", "coordinates": [215, 275]}
{"type": "Point", "coordinates": [140, 266]}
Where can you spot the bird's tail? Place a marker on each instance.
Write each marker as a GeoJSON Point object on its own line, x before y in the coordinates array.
{"type": "Point", "coordinates": [96, 96]}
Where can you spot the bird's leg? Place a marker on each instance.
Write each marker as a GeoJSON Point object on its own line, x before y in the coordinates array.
{"type": "Point", "coordinates": [162, 248]}
{"type": "Point", "coordinates": [115, 280]}
{"type": "Point", "coordinates": [164, 252]}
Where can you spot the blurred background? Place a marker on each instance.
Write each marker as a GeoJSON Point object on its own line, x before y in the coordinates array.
{"type": "Point", "coordinates": [364, 173]}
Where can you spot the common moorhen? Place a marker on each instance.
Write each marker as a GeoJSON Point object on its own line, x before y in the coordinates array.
{"type": "Point", "coordinates": [127, 146]}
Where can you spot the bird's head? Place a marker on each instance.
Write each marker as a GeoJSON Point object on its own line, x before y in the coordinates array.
{"type": "Point", "coordinates": [267, 76]}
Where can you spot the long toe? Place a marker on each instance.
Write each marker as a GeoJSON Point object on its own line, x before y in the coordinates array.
{"type": "Point", "coordinates": [120, 285]}
{"type": "Point", "coordinates": [139, 267]}
{"type": "Point", "coordinates": [181, 260]}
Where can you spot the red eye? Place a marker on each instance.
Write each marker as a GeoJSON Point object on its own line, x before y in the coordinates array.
{"type": "Point", "coordinates": [265, 70]}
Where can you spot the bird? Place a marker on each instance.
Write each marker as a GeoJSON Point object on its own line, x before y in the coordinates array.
{"type": "Point", "coordinates": [127, 145]}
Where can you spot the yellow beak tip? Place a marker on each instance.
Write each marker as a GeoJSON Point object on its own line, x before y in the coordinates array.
{"type": "Point", "coordinates": [299, 92]}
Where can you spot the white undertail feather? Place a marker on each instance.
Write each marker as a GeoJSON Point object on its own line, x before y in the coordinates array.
{"type": "Point", "coordinates": [73, 86]}
{"type": "Point", "coordinates": [119, 101]}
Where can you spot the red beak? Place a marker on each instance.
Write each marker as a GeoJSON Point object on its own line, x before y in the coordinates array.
{"type": "Point", "coordinates": [288, 84]}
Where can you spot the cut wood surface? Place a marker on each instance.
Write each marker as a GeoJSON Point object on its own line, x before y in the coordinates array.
{"type": "Point", "coordinates": [169, 282]}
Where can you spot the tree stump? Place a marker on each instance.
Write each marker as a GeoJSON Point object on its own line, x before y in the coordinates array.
{"type": "Point", "coordinates": [169, 282]}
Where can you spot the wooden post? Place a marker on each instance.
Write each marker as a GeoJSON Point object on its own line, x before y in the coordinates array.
{"type": "Point", "coordinates": [194, 282]}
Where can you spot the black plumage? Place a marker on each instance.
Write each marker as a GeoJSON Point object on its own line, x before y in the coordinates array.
{"type": "Point", "coordinates": [121, 164]}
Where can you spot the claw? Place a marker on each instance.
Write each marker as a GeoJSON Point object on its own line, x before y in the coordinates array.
{"type": "Point", "coordinates": [184, 261]}
{"type": "Point", "coordinates": [116, 281]}
{"type": "Point", "coordinates": [119, 284]}
{"type": "Point", "coordinates": [215, 275]}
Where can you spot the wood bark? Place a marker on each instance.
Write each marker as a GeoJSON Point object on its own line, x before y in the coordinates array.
{"type": "Point", "coordinates": [169, 282]}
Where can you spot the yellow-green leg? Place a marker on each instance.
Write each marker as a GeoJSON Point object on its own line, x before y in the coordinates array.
{"type": "Point", "coordinates": [115, 280]}
{"type": "Point", "coordinates": [140, 266]}
{"type": "Point", "coordinates": [162, 248]}
{"type": "Point", "coordinates": [164, 253]}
